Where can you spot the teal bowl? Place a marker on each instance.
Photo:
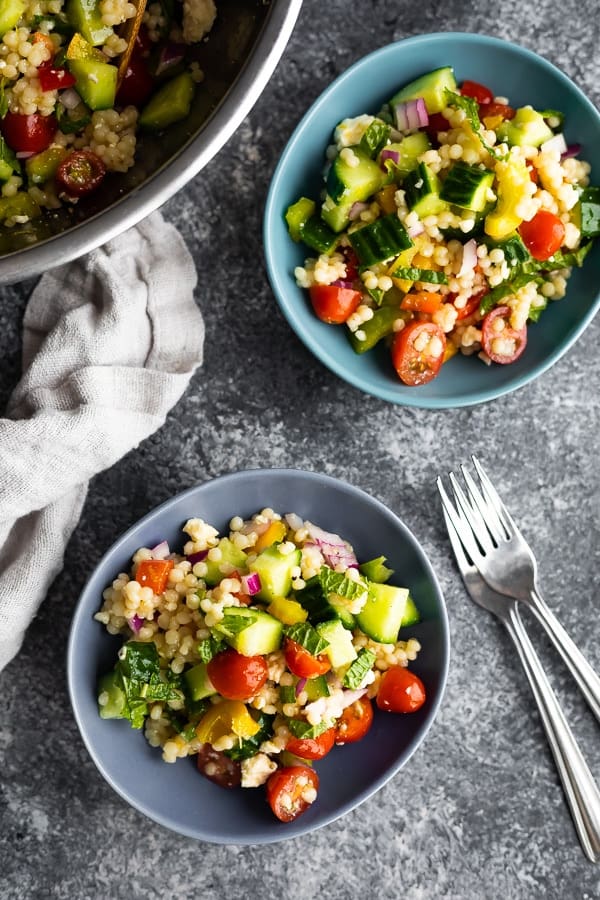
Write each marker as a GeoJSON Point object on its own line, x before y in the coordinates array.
{"type": "Point", "coordinates": [510, 71]}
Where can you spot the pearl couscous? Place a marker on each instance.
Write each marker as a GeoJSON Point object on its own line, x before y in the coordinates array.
{"type": "Point", "coordinates": [69, 113]}
{"type": "Point", "coordinates": [447, 223]}
{"type": "Point", "coordinates": [259, 651]}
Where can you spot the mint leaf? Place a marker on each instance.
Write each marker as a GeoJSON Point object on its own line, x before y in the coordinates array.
{"type": "Point", "coordinates": [307, 636]}
{"type": "Point", "coordinates": [358, 669]}
{"type": "Point", "coordinates": [471, 108]}
{"type": "Point", "coordinates": [209, 647]}
{"type": "Point", "coordinates": [234, 622]}
{"type": "Point", "coordinates": [250, 746]}
{"type": "Point", "coordinates": [339, 583]}
{"type": "Point", "coordinates": [303, 729]}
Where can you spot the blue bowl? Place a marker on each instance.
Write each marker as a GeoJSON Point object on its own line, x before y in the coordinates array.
{"type": "Point", "coordinates": [176, 796]}
{"type": "Point", "coordinates": [509, 71]}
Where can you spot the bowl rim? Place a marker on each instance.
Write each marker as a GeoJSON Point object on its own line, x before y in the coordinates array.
{"type": "Point", "coordinates": [159, 187]}
{"type": "Point", "coordinates": [82, 612]}
{"type": "Point", "coordinates": [272, 214]}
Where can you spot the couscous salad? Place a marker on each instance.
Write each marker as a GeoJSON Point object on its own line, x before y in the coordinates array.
{"type": "Point", "coordinates": [258, 652]}
{"type": "Point", "coordinates": [446, 224]}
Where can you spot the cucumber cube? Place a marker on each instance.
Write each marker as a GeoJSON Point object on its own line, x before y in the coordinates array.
{"type": "Point", "coordinates": [431, 87]}
{"type": "Point", "coordinates": [113, 697]}
{"type": "Point", "coordinates": [95, 82]}
{"type": "Point", "coordinates": [85, 16]}
{"type": "Point", "coordinates": [274, 569]}
{"type": "Point", "coordinates": [10, 13]}
{"type": "Point", "coordinates": [262, 636]}
{"type": "Point", "coordinates": [198, 683]}
{"type": "Point", "coordinates": [381, 616]}
{"type": "Point", "coordinates": [230, 556]}
{"type": "Point", "coordinates": [340, 651]}
{"type": "Point", "coordinates": [171, 103]}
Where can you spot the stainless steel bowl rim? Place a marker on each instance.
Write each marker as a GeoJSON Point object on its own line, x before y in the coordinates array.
{"type": "Point", "coordinates": [157, 189]}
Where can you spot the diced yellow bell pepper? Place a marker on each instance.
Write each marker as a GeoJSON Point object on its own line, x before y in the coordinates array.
{"type": "Point", "coordinates": [290, 612]}
{"type": "Point", "coordinates": [403, 260]}
{"type": "Point", "coordinates": [492, 122]}
{"type": "Point", "coordinates": [385, 198]}
{"type": "Point", "coordinates": [513, 188]}
{"type": "Point", "coordinates": [275, 532]}
{"type": "Point", "coordinates": [227, 717]}
{"type": "Point", "coordinates": [450, 351]}
{"type": "Point", "coordinates": [79, 48]}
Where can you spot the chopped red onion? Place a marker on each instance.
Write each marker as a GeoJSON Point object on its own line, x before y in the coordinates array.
{"type": "Point", "coordinates": [135, 623]}
{"type": "Point", "coordinates": [469, 257]}
{"type": "Point", "coordinates": [416, 229]}
{"type": "Point", "coordinates": [251, 583]}
{"type": "Point", "coordinates": [69, 98]}
{"type": "Point", "coordinates": [394, 155]}
{"type": "Point", "coordinates": [356, 209]}
{"type": "Point", "coordinates": [24, 154]}
{"type": "Point", "coordinates": [170, 55]}
{"type": "Point", "coordinates": [301, 684]}
{"type": "Point", "coordinates": [571, 151]}
{"type": "Point", "coordinates": [161, 551]}
{"type": "Point", "coordinates": [343, 283]}
{"type": "Point", "coordinates": [411, 115]}
{"type": "Point", "coordinates": [557, 143]}
{"type": "Point", "coordinates": [200, 556]}
{"type": "Point", "coordinates": [335, 551]}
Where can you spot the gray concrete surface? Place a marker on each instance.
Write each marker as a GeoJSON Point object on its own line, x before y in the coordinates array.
{"type": "Point", "coordinates": [478, 812]}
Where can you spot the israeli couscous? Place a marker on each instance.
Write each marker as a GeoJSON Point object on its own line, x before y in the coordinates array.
{"type": "Point", "coordinates": [447, 223]}
{"type": "Point", "coordinates": [258, 652]}
{"type": "Point", "coordinates": [69, 113]}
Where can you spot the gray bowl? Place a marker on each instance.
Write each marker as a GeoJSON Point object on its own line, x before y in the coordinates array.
{"type": "Point", "coordinates": [177, 796]}
{"type": "Point", "coordinates": [238, 59]}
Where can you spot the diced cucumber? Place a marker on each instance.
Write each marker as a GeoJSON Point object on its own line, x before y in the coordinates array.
{"type": "Point", "coordinates": [20, 204]}
{"type": "Point", "coordinates": [198, 683]}
{"type": "Point", "coordinates": [376, 570]}
{"type": "Point", "coordinates": [588, 210]}
{"type": "Point", "coordinates": [422, 187]}
{"type": "Point", "coordinates": [95, 82]}
{"type": "Point", "coordinates": [381, 616]}
{"type": "Point", "coordinates": [10, 13]}
{"type": "Point", "coordinates": [408, 149]}
{"type": "Point", "coordinates": [42, 167]}
{"type": "Point", "coordinates": [317, 235]}
{"type": "Point", "coordinates": [431, 87]}
{"type": "Point", "coordinates": [340, 649]}
{"type": "Point", "coordinates": [352, 183]}
{"type": "Point", "coordinates": [86, 17]}
{"type": "Point", "coordinates": [374, 329]}
{"type": "Point", "coordinates": [380, 241]}
{"type": "Point", "coordinates": [467, 186]}
{"type": "Point", "coordinates": [336, 215]}
{"type": "Point", "coordinates": [316, 688]}
{"type": "Point", "coordinates": [297, 215]}
{"type": "Point", "coordinates": [230, 556]}
{"type": "Point", "coordinates": [411, 613]}
{"type": "Point", "coordinates": [274, 569]}
{"type": "Point", "coordinates": [170, 104]}
{"type": "Point", "coordinates": [109, 688]}
{"type": "Point", "coordinates": [526, 128]}
{"type": "Point", "coordinates": [262, 636]}
{"type": "Point", "coordinates": [375, 138]}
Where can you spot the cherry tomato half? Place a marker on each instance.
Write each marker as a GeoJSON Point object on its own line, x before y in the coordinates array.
{"type": "Point", "coordinates": [80, 173]}
{"type": "Point", "coordinates": [418, 352]}
{"type": "Point", "coordinates": [291, 790]}
{"type": "Point", "coordinates": [237, 677]}
{"type": "Point", "coordinates": [543, 235]}
{"type": "Point", "coordinates": [137, 83]}
{"type": "Point", "coordinates": [28, 134]}
{"type": "Point", "coordinates": [154, 573]}
{"type": "Point", "coordinates": [302, 663]}
{"type": "Point", "coordinates": [502, 343]}
{"type": "Point", "coordinates": [477, 91]}
{"type": "Point", "coordinates": [437, 122]}
{"type": "Point", "coordinates": [354, 722]}
{"type": "Point", "coordinates": [312, 748]}
{"type": "Point", "coordinates": [333, 304]}
{"type": "Point", "coordinates": [400, 691]}
{"type": "Point", "coordinates": [471, 306]}
{"type": "Point", "coordinates": [498, 109]}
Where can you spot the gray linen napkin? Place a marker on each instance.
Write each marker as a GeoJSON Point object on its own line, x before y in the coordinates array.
{"type": "Point", "coordinates": [109, 345]}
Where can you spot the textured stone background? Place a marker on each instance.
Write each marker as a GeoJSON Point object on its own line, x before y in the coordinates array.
{"type": "Point", "coordinates": [478, 813]}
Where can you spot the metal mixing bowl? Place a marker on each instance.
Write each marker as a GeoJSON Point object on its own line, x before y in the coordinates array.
{"type": "Point", "coordinates": [238, 59]}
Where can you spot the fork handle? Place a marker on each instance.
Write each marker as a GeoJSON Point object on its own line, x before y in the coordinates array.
{"type": "Point", "coordinates": [578, 784]}
{"type": "Point", "coordinates": [585, 676]}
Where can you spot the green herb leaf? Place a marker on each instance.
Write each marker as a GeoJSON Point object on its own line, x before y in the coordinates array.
{"type": "Point", "coordinates": [375, 138]}
{"type": "Point", "coordinates": [339, 583]}
{"type": "Point", "coordinates": [287, 693]}
{"type": "Point", "coordinates": [307, 636]}
{"type": "Point", "coordinates": [300, 728]}
{"type": "Point", "coordinates": [553, 114]}
{"type": "Point", "coordinates": [72, 126]}
{"type": "Point", "coordinates": [471, 108]}
{"type": "Point", "coordinates": [505, 289]}
{"type": "Point", "coordinates": [250, 746]}
{"type": "Point", "coordinates": [209, 647]}
{"type": "Point", "coordinates": [233, 622]}
{"type": "Point", "coordinates": [429, 276]}
{"type": "Point", "coordinates": [358, 669]}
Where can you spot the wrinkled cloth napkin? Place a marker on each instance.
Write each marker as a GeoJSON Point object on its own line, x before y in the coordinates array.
{"type": "Point", "coordinates": [110, 342]}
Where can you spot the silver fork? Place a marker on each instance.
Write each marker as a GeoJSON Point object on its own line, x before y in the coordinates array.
{"type": "Point", "coordinates": [505, 561]}
{"type": "Point", "coordinates": [578, 784]}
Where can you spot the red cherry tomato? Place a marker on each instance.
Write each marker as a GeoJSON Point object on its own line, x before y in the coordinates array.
{"type": "Point", "coordinates": [28, 134]}
{"type": "Point", "coordinates": [80, 173]}
{"type": "Point", "coordinates": [543, 235]}
{"type": "Point", "coordinates": [471, 306]}
{"type": "Point", "coordinates": [354, 722]}
{"type": "Point", "coordinates": [400, 691]}
{"type": "Point", "coordinates": [312, 748]}
{"type": "Point", "coordinates": [302, 663]}
{"type": "Point", "coordinates": [502, 343]}
{"type": "Point", "coordinates": [497, 109]}
{"type": "Point", "coordinates": [218, 767]}
{"type": "Point", "coordinates": [477, 91]}
{"type": "Point", "coordinates": [237, 677]}
{"type": "Point", "coordinates": [437, 122]}
{"type": "Point", "coordinates": [422, 301]}
{"type": "Point", "coordinates": [137, 83]}
{"type": "Point", "coordinates": [290, 791]}
{"type": "Point", "coordinates": [52, 79]}
{"type": "Point", "coordinates": [154, 573]}
{"type": "Point", "coordinates": [352, 264]}
{"type": "Point", "coordinates": [333, 304]}
{"type": "Point", "coordinates": [415, 361]}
